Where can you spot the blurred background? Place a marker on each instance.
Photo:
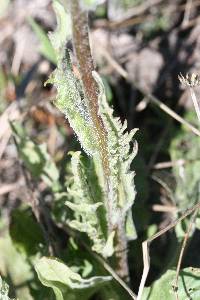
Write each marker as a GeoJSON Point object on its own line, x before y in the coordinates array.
{"type": "Point", "coordinates": [139, 48]}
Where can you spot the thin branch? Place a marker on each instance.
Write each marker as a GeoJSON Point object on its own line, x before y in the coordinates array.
{"type": "Point", "coordinates": [146, 245]}
{"type": "Point", "coordinates": [187, 13]}
{"type": "Point", "coordinates": [110, 270]}
{"type": "Point", "coordinates": [151, 97]}
{"type": "Point", "coordinates": [191, 224]}
{"type": "Point", "coordinates": [169, 164]}
{"type": "Point", "coordinates": [164, 208]}
{"type": "Point", "coordinates": [101, 260]}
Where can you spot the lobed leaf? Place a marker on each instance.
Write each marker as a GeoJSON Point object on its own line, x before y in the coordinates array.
{"type": "Point", "coordinates": [87, 206]}
{"type": "Point", "coordinates": [91, 193]}
{"type": "Point", "coordinates": [121, 179]}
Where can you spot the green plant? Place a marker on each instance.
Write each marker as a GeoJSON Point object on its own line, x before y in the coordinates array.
{"type": "Point", "coordinates": [92, 206]}
{"type": "Point", "coordinates": [100, 191]}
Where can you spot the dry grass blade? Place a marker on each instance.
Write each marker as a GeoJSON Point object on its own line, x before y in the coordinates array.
{"type": "Point", "coordinates": [191, 224]}
{"type": "Point", "coordinates": [195, 102]}
{"type": "Point", "coordinates": [115, 276]}
{"type": "Point", "coordinates": [151, 97]}
{"type": "Point", "coordinates": [10, 114]}
{"type": "Point", "coordinates": [146, 244]}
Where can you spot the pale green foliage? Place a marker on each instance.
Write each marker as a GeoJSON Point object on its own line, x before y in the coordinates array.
{"type": "Point", "coordinates": [122, 189]}
{"type": "Point", "coordinates": [63, 32]}
{"type": "Point", "coordinates": [88, 205]}
{"type": "Point", "coordinates": [188, 286]}
{"type": "Point", "coordinates": [14, 266]}
{"type": "Point", "coordinates": [91, 193]}
{"type": "Point", "coordinates": [71, 102]}
{"type": "Point", "coordinates": [35, 157]}
{"type": "Point", "coordinates": [4, 289]}
{"type": "Point", "coordinates": [70, 99]}
{"type": "Point", "coordinates": [66, 284]}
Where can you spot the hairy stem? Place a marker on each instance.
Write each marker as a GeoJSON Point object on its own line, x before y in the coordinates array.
{"type": "Point", "coordinates": [85, 65]}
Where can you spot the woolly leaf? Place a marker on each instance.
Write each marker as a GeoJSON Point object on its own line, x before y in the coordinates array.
{"type": "Point", "coordinates": [91, 193]}
{"type": "Point", "coordinates": [87, 205]}
{"type": "Point", "coordinates": [63, 32]}
{"type": "Point", "coordinates": [71, 102]}
{"type": "Point", "coordinates": [122, 189]}
{"type": "Point", "coordinates": [67, 284]}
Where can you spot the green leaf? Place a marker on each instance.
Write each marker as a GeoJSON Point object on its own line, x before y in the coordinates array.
{"type": "Point", "coordinates": [121, 180]}
{"type": "Point", "coordinates": [86, 203]}
{"type": "Point", "coordinates": [188, 286]}
{"type": "Point", "coordinates": [66, 284]}
{"type": "Point", "coordinates": [70, 97]}
{"type": "Point", "coordinates": [25, 232]}
{"type": "Point", "coordinates": [35, 157]}
{"type": "Point", "coordinates": [14, 267]}
{"type": "Point", "coordinates": [63, 31]}
{"type": "Point", "coordinates": [46, 48]}
{"type": "Point", "coordinates": [71, 102]}
{"type": "Point", "coordinates": [90, 192]}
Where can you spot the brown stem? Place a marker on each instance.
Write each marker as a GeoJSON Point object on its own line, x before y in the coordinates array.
{"type": "Point", "coordinates": [85, 65]}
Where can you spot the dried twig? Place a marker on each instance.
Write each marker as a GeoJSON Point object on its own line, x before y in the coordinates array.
{"type": "Point", "coordinates": [146, 245]}
{"type": "Point", "coordinates": [10, 114]}
{"type": "Point", "coordinates": [191, 224]}
{"type": "Point", "coordinates": [195, 102]}
{"type": "Point", "coordinates": [151, 97]}
{"type": "Point", "coordinates": [143, 8]}
{"type": "Point", "coordinates": [9, 187]}
{"type": "Point", "coordinates": [164, 208]}
{"type": "Point", "coordinates": [187, 12]}
{"type": "Point", "coordinates": [169, 164]}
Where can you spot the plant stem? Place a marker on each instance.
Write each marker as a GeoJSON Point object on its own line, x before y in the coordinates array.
{"type": "Point", "coordinates": [195, 102]}
{"type": "Point", "coordinates": [85, 65]}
